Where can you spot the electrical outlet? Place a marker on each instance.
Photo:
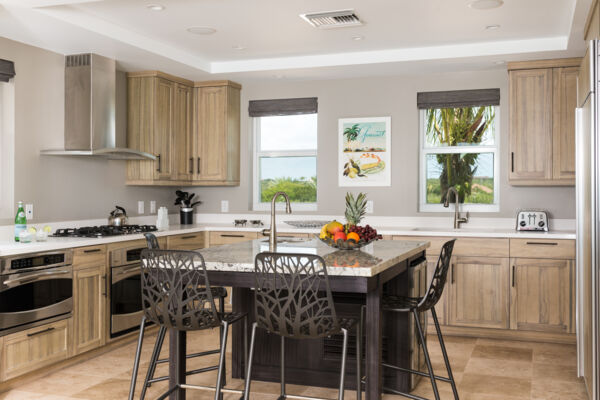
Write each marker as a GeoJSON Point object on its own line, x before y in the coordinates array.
{"type": "Point", "coordinates": [370, 206]}
{"type": "Point", "coordinates": [224, 205]}
{"type": "Point", "coordinates": [29, 211]}
{"type": "Point", "coordinates": [140, 207]}
{"type": "Point", "coordinates": [152, 207]}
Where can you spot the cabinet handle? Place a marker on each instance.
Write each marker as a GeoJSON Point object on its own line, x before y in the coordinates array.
{"type": "Point", "coordinates": [512, 161]}
{"type": "Point", "coordinates": [191, 165]}
{"type": "Point", "coordinates": [543, 243]}
{"type": "Point", "coordinates": [513, 276]}
{"type": "Point", "coordinates": [187, 237]}
{"type": "Point", "coordinates": [92, 251]}
{"type": "Point", "coordinates": [104, 284]}
{"type": "Point", "coordinates": [158, 159]}
{"type": "Point", "coordinates": [198, 166]}
{"type": "Point", "coordinates": [452, 274]}
{"type": "Point", "coordinates": [40, 332]}
{"type": "Point", "coordinates": [231, 235]}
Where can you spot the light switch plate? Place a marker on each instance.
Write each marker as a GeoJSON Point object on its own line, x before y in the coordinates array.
{"type": "Point", "coordinates": [370, 206]}
{"type": "Point", "coordinates": [29, 211]}
{"type": "Point", "coordinates": [224, 205]}
{"type": "Point", "coordinates": [152, 207]}
{"type": "Point", "coordinates": [140, 207]}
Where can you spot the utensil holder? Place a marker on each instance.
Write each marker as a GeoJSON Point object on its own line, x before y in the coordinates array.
{"type": "Point", "coordinates": [186, 216]}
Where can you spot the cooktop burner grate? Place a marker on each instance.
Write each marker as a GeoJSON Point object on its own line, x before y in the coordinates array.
{"type": "Point", "coordinates": [103, 231]}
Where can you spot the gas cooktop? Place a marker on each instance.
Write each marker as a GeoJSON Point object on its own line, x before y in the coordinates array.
{"type": "Point", "coordinates": [103, 231]}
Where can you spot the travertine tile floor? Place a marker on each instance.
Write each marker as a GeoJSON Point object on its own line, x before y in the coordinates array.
{"type": "Point", "coordinates": [484, 369]}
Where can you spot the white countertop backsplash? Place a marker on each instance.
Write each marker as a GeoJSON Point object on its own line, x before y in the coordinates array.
{"type": "Point", "coordinates": [407, 226]}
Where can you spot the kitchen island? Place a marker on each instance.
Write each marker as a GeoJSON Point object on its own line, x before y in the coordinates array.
{"type": "Point", "coordinates": [356, 278]}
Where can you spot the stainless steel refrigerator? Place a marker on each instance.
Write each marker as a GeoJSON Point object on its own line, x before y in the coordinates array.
{"type": "Point", "coordinates": [588, 226]}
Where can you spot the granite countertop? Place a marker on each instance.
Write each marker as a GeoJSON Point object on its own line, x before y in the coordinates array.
{"type": "Point", "coordinates": [9, 247]}
{"type": "Point", "coordinates": [366, 262]}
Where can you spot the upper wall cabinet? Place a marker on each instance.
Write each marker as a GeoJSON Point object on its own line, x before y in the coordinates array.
{"type": "Point", "coordinates": [543, 98]}
{"type": "Point", "coordinates": [192, 129]}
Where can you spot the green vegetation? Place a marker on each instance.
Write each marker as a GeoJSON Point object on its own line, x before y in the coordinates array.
{"type": "Point", "coordinates": [481, 191]}
{"type": "Point", "coordinates": [300, 190]}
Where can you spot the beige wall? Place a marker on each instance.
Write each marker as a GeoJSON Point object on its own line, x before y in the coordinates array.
{"type": "Point", "coordinates": [385, 96]}
{"type": "Point", "coordinates": [80, 188]}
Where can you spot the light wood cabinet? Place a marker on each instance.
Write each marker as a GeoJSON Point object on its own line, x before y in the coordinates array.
{"type": "Point", "coordinates": [192, 129]}
{"type": "Point", "coordinates": [34, 348]}
{"type": "Point", "coordinates": [592, 25]}
{"type": "Point", "coordinates": [89, 298]}
{"type": "Point", "coordinates": [479, 292]}
{"type": "Point", "coordinates": [217, 133]}
{"type": "Point", "coordinates": [541, 295]}
{"type": "Point", "coordinates": [227, 237]}
{"type": "Point", "coordinates": [188, 241]}
{"type": "Point", "coordinates": [543, 98]}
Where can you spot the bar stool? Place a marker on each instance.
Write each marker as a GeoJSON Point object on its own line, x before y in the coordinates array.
{"type": "Point", "coordinates": [217, 292]}
{"type": "Point", "coordinates": [392, 303]}
{"type": "Point", "coordinates": [176, 294]}
{"type": "Point", "coordinates": [292, 299]}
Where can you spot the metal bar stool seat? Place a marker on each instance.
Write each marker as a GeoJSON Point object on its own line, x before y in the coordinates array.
{"type": "Point", "coordinates": [176, 294]}
{"type": "Point", "coordinates": [292, 299]}
{"type": "Point", "coordinates": [218, 292]}
{"type": "Point", "coordinates": [415, 305]}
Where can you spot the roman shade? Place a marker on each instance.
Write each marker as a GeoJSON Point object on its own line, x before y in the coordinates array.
{"type": "Point", "coordinates": [7, 70]}
{"type": "Point", "coordinates": [458, 98]}
{"type": "Point", "coordinates": [266, 108]}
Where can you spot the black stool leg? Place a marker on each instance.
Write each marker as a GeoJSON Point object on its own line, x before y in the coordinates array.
{"type": "Point", "coordinates": [282, 396]}
{"type": "Point", "coordinates": [250, 357]}
{"type": "Point", "coordinates": [343, 368]}
{"type": "Point", "coordinates": [359, 358]}
{"type": "Point", "coordinates": [160, 338]}
{"type": "Point", "coordinates": [222, 361]}
{"type": "Point", "coordinates": [222, 311]}
{"type": "Point", "coordinates": [426, 353]}
{"type": "Point", "coordinates": [136, 363]}
{"type": "Point", "coordinates": [444, 353]}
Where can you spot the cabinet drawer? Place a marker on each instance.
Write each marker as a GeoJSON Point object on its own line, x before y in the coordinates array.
{"type": "Point", "coordinates": [34, 348]}
{"type": "Point", "coordinates": [542, 248]}
{"type": "Point", "coordinates": [464, 246]}
{"type": "Point", "coordinates": [218, 238]}
{"type": "Point", "coordinates": [141, 243]}
{"type": "Point", "coordinates": [85, 257]}
{"type": "Point", "coordinates": [188, 241]}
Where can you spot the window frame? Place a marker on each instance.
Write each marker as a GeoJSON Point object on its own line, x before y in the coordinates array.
{"type": "Point", "coordinates": [257, 205]}
{"type": "Point", "coordinates": [7, 147]}
{"type": "Point", "coordinates": [424, 151]}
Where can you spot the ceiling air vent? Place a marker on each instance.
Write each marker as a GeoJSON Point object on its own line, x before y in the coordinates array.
{"type": "Point", "coordinates": [332, 19]}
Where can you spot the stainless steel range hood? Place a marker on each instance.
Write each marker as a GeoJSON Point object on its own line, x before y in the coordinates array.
{"type": "Point", "coordinates": [90, 109]}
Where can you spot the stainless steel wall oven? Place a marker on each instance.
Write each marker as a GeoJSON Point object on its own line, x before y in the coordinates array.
{"type": "Point", "coordinates": [35, 289]}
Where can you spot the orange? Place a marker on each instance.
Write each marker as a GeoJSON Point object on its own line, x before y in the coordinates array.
{"type": "Point", "coordinates": [354, 236]}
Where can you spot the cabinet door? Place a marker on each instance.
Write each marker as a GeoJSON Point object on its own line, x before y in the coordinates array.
{"type": "Point", "coordinates": [440, 307]}
{"type": "Point", "coordinates": [89, 301]}
{"type": "Point", "coordinates": [34, 348]}
{"type": "Point", "coordinates": [183, 146]}
{"type": "Point", "coordinates": [563, 122]}
{"type": "Point", "coordinates": [211, 150]}
{"type": "Point", "coordinates": [479, 290]}
{"type": "Point", "coordinates": [530, 125]}
{"type": "Point", "coordinates": [541, 296]}
{"type": "Point", "coordinates": [163, 128]}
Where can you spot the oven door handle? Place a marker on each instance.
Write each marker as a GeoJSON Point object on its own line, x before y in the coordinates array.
{"type": "Point", "coordinates": [36, 277]}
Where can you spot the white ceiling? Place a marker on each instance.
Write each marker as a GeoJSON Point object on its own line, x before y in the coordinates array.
{"type": "Point", "coordinates": [399, 36]}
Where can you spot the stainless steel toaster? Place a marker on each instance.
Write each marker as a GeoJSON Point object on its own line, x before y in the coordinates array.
{"type": "Point", "coordinates": [532, 220]}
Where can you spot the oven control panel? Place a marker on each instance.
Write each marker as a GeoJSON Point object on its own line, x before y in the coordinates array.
{"type": "Point", "coordinates": [532, 220]}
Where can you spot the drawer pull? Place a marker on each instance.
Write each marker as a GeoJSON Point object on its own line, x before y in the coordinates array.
{"type": "Point", "coordinates": [40, 332]}
{"type": "Point", "coordinates": [512, 161]}
{"type": "Point", "coordinates": [452, 274]}
{"type": "Point", "coordinates": [92, 251]}
{"type": "Point", "coordinates": [513, 276]}
{"type": "Point", "coordinates": [188, 237]}
{"type": "Point", "coordinates": [543, 243]}
{"type": "Point", "coordinates": [104, 283]}
{"type": "Point", "coordinates": [232, 235]}
{"type": "Point", "coordinates": [191, 165]}
{"type": "Point", "coordinates": [158, 160]}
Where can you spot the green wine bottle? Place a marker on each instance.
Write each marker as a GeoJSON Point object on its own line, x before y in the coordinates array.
{"type": "Point", "coordinates": [20, 220]}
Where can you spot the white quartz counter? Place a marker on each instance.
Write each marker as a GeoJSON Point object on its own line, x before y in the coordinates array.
{"type": "Point", "coordinates": [8, 247]}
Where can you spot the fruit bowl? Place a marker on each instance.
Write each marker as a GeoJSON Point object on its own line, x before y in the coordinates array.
{"type": "Point", "coordinates": [345, 244]}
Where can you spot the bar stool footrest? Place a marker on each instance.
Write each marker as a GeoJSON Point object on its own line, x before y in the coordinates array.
{"type": "Point", "coordinates": [410, 396]}
{"type": "Point", "coordinates": [413, 371]}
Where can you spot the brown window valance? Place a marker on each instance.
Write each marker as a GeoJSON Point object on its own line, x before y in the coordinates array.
{"type": "Point", "coordinates": [266, 108]}
{"type": "Point", "coordinates": [458, 98]}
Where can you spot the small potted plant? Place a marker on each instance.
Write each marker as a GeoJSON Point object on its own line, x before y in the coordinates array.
{"type": "Point", "coordinates": [186, 212]}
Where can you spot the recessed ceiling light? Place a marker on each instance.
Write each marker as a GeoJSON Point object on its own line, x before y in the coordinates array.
{"type": "Point", "coordinates": [357, 38]}
{"type": "Point", "coordinates": [499, 62]}
{"type": "Point", "coordinates": [485, 4]}
{"type": "Point", "coordinates": [201, 30]}
{"type": "Point", "coordinates": [155, 7]}
{"type": "Point", "coordinates": [492, 27]}
{"type": "Point", "coordinates": [238, 47]}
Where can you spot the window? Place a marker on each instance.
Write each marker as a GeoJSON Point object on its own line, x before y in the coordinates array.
{"type": "Point", "coordinates": [459, 148]}
{"type": "Point", "coordinates": [285, 159]}
{"type": "Point", "coordinates": [7, 146]}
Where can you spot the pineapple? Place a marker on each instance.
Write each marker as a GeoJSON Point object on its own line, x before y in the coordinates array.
{"type": "Point", "coordinates": [355, 208]}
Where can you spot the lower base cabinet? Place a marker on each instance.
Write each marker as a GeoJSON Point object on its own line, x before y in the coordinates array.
{"type": "Point", "coordinates": [34, 348]}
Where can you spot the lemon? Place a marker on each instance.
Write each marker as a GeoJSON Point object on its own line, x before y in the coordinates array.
{"type": "Point", "coordinates": [48, 229]}
{"type": "Point", "coordinates": [31, 229]}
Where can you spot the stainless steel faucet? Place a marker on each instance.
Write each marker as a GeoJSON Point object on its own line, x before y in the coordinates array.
{"type": "Point", "coordinates": [457, 218]}
{"type": "Point", "coordinates": [272, 231]}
